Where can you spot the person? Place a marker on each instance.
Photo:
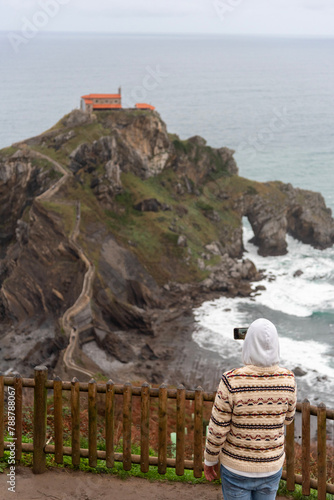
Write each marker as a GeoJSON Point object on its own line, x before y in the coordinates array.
{"type": "Point", "coordinates": [246, 429]}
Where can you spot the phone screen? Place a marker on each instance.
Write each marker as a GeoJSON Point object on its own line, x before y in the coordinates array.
{"type": "Point", "coordinates": [240, 333]}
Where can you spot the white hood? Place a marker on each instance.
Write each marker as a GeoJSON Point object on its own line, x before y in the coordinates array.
{"type": "Point", "coordinates": [261, 345]}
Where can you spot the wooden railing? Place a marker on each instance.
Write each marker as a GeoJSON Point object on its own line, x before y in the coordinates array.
{"type": "Point", "coordinates": [164, 398]}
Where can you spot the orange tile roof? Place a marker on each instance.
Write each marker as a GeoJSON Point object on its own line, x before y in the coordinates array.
{"type": "Point", "coordinates": [107, 106]}
{"type": "Point", "coordinates": [143, 105]}
{"type": "Point", "coordinates": [102, 96]}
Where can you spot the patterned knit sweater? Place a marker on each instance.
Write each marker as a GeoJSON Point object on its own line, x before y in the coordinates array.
{"type": "Point", "coordinates": [246, 429]}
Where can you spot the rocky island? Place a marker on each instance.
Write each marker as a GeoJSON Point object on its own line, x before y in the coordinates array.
{"type": "Point", "coordinates": [112, 230]}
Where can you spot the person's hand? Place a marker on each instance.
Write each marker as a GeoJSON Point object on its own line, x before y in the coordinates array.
{"type": "Point", "coordinates": [211, 471]}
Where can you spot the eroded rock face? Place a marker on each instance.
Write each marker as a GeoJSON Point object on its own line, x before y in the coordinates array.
{"type": "Point", "coordinates": [196, 161]}
{"type": "Point", "coordinates": [139, 145]}
{"type": "Point", "coordinates": [44, 276]}
{"type": "Point", "coordinates": [269, 224]}
{"type": "Point", "coordinates": [20, 182]}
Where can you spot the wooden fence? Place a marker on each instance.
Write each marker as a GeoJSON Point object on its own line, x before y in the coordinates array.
{"type": "Point", "coordinates": [11, 427]}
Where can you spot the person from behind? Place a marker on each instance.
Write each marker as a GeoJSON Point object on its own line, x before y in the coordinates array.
{"type": "Point", "coordinates": [246, 429]}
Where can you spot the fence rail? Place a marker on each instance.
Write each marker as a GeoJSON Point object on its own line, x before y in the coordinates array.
{"type": "Point", "coordinates": [163, 397]}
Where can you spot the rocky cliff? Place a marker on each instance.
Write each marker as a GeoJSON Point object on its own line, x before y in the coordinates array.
{"type": "Point", "coordinates": [157, 222]}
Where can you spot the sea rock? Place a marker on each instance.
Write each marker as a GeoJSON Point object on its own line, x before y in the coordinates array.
{"type": "Point", "coordinates": [232, 276]}
{"type": "Point", "coordinates": [309, 220]}
{"type": "Point", "coordinates": [299, 372]}
{"type": "Point", "coordinates": [115, 345]}
{"type": "Point", "coordinates": [287, 210]}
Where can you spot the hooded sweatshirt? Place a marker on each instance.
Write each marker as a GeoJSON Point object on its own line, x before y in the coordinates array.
{"type": "Point", "coordinates": [252, 405]}
{"type": "Point", "coordinates": [261, 345]}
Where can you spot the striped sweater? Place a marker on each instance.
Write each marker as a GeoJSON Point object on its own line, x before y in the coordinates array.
{"type": "Point", "coordinates": [246, 428]}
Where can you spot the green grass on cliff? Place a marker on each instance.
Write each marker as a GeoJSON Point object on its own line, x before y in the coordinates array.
{"type": "Point", "coordinates": [7, 152]}
{"type": "Point", "coordinates": [66, 212]}
{"type": "Point", "coordinates": [154, 235]}
{"type": "Point", "coordinates": [83, 134]}
{"type": "Point", "coordinates": [47, 166]}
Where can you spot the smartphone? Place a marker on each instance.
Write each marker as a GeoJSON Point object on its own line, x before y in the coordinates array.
{"type": "Point", "coordinates": [240, 333]}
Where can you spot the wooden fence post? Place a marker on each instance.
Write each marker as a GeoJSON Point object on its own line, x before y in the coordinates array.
{"type": "Point", "coordinates": [290, 456]}
{"type": "Point", "coordinates": [18, 417]}
{"type": "Point", "coordinates": [127, 422]}
{"type": "Point", "coordinates": [110, 404]}
{"type": "Point", "coordinates": [58, 419]}
{"type": "Point", "coordinates": [162, 439]}
{"type": "Point", "coordinates": [198, 432]}
{"type": "Point", "coordinates": [40, 395]}
{"type": "Point", "coordinates": [2, 415]}
{"type": "Point", "coordinates": [180, 424]}
{"type": "Point", "coordinates": [75, 420]}
{"type": "Point", "coordinates": [322, 472]}
{"type": "Point", "coordinates": [144, 434]}
{"type": "Point", "coordinates": [306, 447]}
{"type": "Point", "coordinates": [92, 423]}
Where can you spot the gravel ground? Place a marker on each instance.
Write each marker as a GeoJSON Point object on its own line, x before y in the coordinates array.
{"type": "Point", "coordinates": [65, 484]}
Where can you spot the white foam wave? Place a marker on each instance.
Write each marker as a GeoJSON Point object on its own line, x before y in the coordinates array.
{"type": "Point", "coordinates": [298, 296]}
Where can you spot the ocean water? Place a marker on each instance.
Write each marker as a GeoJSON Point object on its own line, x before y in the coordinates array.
{"type": "Point", "coordinates": [301, 307]}
{"type": "Point", "coordinates": [271, 100]}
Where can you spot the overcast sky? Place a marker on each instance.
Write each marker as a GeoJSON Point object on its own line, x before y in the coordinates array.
{"type": "Point", "coordinates": [276, 17]}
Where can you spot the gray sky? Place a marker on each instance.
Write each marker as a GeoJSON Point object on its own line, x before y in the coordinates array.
{"type": "Point", "coordinates": [276, 17]}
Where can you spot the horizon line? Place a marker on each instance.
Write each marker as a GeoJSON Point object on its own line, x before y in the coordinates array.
{"type": "Point", "coordinates": [215, 34]}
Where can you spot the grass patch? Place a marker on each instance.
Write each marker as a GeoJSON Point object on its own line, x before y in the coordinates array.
{"type": "Point", "coordinates": [182, 146]}
{"type": "Point", "coordinates": [7, 152]}
{"type": "Point", "coordinates": [66, 212]}
{"type": "Point", "coordinates": [297, 494]}
{"type": "Point", "coordinates": [101, 468]}
{"type": "Point", "coordinates": [57, 156]}
{"type": "Point", "coordinates": [87, 133]}
{"type": "Point", "coordinates": [44, 164]}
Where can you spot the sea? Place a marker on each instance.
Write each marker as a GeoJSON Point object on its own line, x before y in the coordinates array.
{"type": "Point", "coordinates": [269, 99]}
